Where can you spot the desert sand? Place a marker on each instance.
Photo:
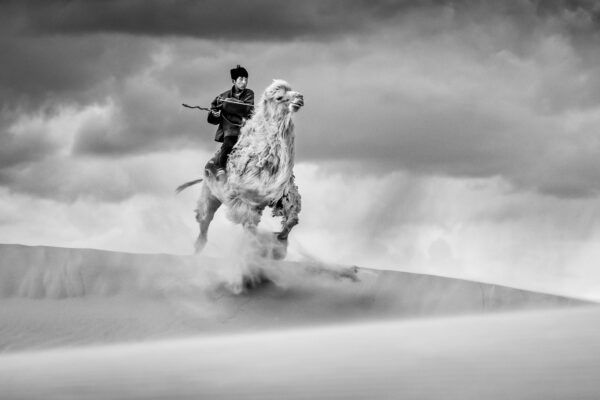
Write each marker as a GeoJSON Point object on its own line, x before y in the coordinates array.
{"type": "Point", "coordinates": [91, 324]}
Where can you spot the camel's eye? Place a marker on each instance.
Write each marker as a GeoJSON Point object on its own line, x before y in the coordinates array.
{"type": "Point", "coordinates": [279, 98]}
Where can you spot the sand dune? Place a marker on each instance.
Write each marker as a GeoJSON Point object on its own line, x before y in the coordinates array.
{"type": "Point", "coordinates": [527, 355]}
{"type": "Point", "coordinates": [90, 324]}
{"type": "Point", "coordinates": [63, 297]}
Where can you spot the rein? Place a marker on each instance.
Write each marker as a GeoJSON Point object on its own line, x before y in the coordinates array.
{"type": "Point", "coordinates": [213, 109]}
{"type": "Point", "coordinates": [198, 107]}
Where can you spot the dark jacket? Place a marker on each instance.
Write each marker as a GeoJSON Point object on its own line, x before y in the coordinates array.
{"type": "Point", "coordinates": [229, 124]}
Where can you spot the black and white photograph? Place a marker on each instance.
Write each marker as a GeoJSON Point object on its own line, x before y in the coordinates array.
{"type": "Point", "coordinates": [311, 199]}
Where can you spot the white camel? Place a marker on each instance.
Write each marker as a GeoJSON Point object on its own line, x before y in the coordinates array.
{"type": "Point", "coordinates": [259, 170]}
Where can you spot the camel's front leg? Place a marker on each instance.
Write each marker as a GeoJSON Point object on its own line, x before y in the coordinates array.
{"type": "Point", "coordinates": [205, 212]}
{"type": "Point", "coordinates": [250, 218]}
{"type": "Point", "coordinates": [288, 207]}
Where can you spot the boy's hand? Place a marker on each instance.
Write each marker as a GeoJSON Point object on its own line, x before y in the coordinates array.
{"type": "Point", "coordinates": [216, 113]}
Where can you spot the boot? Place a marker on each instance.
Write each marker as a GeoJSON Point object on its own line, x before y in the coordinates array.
{"type": "Point", "coordinates": [221, 175]}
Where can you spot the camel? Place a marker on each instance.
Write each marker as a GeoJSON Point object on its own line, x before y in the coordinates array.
{"type": "Point", "coordinates": [259, 171]}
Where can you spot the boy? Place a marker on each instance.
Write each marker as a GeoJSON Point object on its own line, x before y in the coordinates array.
{"type": "Point", "coordinates": [231, 119]}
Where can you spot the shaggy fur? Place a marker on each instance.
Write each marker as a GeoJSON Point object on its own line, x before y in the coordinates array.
{"type": "Point", "coordinates": [259, 169]}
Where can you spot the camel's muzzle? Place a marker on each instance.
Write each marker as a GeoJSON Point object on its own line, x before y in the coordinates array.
{"type": "Point", "coordinates": [297, 102]}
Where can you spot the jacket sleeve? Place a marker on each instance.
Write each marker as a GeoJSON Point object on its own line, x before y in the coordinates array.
{"type": "Point", "coordinates": [211, 119]}
{"type": "Point", "coordinates": [249, 99]}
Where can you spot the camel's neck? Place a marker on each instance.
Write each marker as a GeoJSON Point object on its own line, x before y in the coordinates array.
{"type": "Point", "coordinates": [280, 144]}
{"type": "Point", "coordinates": [280, 128]}
{"type": "Point", "coordinates": [284, 134]}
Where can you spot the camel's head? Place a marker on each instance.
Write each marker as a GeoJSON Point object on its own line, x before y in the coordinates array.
{"type": "Point", "coordinates": [280, 97]}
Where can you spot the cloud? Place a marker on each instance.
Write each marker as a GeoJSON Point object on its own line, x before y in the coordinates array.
{"type": "Point", "coordinates": [463, 102]}
{"type": "Point", "coordinates": [479, 229]}
{"type": "Point", "coordinates": [93, 179]}
{"type": "Point", "coordinates": [142, 116]}
{"type": "Point", "coordinates": [270, 20]}
{"type": "Point", "coordinates": [459, 89]}
{"type": "Point", "coordinates": [142, 223]}
{"type": "Point", "coordinates": [44, 73]}
{"type": "Point", "coordinates": [236, 19]}
{"type": "Point", "coordinates": [19, 147]}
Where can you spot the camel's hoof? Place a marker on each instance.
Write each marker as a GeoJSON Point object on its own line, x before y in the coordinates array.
{"type": "Point", "coordinates": [350, 273]}
{"type": "Point", "coordinates": [254, 281]}
{"type": "Point", "coordinates": [281, 236]}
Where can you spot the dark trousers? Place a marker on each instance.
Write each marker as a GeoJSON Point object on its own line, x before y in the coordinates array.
{"type": "Point", "coordinates": [228, 143]}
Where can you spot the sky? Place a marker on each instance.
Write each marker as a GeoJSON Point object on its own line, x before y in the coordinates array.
{"type": "Point", "coordinates": [451, 137]}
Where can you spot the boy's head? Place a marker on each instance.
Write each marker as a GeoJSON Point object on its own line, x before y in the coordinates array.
{"type": "Point", "coordinates": [239, 77]}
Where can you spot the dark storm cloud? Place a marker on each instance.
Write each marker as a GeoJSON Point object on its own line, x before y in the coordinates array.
{"type": "Point", "coordinates": [47, 55]}
{"type": "Point", "coordinates": [252, 20]}
{"type": "Point", "coordinates": [590, 8]}
{"type": "Point", "coordinates": [237, 19]}
{"type": "Point", "coordinates": [53, 70]}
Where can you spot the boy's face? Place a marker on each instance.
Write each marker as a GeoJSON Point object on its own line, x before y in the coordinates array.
{"type": "Point", "coordinates": [241, 82]}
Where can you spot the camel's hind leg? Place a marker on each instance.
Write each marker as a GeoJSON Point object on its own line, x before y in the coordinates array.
{"type": "Point", "coordinates": [288, 207]}
{"type": "Point", "coordinates": [207, 206]}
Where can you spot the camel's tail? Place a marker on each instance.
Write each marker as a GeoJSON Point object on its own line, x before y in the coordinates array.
{"type": "Point", "coordinates": [187, 185]}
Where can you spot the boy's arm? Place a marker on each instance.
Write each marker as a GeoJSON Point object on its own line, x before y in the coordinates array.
{"type": "Point", "coordinates": [249, 99]}
{"type": "Point", "coordinates": [214, 117]}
